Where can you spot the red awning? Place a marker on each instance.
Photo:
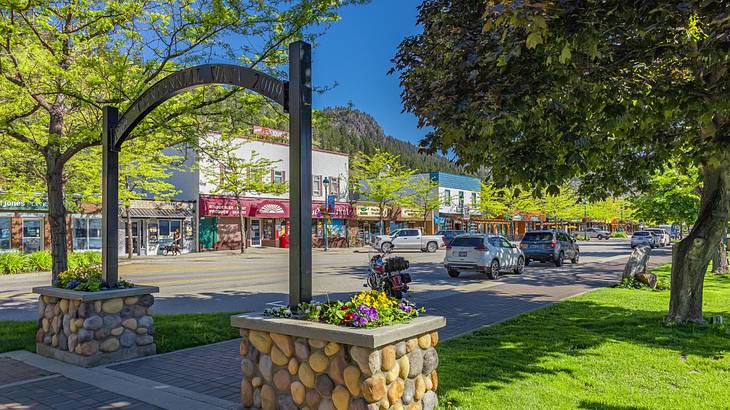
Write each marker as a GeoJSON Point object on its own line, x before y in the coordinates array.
{"type": "Point", "coordinates": [272, 208]}
{"type": "Point", "coordinates": [211, 205]}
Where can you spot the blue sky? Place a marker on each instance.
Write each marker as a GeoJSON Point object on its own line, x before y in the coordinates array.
{"type": "Point", "coordinates": [356, 51]}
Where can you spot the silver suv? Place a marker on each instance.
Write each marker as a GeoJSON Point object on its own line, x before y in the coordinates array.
{"type": "Point", "coordinates": [643, 238]}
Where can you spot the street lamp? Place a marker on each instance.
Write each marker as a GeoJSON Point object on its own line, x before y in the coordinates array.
{"type": "Point", "coordinates": [383, 173]}
{"type": "Point", "coordinates": [326, 183]}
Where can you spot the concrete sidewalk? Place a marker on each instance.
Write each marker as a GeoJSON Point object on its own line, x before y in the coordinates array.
{"type": "Point", "coordinates": [208, 377]}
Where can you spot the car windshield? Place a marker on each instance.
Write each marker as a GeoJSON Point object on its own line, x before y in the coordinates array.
{"type": "Point", "coordinates": [538, 236]}
{"type": "Point", "coordinates": [467, 241]}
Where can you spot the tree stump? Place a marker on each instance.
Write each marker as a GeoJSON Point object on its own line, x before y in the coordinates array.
{"type": "Point", "coordinates": [636, 267]}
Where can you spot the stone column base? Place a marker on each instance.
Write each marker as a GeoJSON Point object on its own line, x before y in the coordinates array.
{"type": "Point", "coordinates": [93, 328]}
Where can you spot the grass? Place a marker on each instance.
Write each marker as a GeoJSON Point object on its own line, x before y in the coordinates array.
{"type": "Point", "coordinates": [172, 332]}
{"type": "Point", "coordinates": [607, 349]}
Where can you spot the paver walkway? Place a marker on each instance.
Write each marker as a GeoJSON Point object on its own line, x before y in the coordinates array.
{"type": "Point", "coordinates": [208, 377]}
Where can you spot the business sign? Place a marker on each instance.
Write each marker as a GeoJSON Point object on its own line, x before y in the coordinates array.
{"type": "Point", "coordinates": [24, 206]}
{"type": "Point", "coordinates": [270, 132]}
{"type": "Point", "coordinates": [340, 211]}
{"type": "Point", "coordinates": [330, 205]}
{"type": "Point", "coordinates": [222, 206]}
{"type": "Point", "coordinates": [369, 211]}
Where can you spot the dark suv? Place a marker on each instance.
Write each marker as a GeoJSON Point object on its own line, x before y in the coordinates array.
{"type": "Point", "coordinates": [449, 235]}
{"type": "Point", "coordinates": [549, 246]}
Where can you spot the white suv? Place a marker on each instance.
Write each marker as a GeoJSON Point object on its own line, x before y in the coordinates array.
{"type": "Point", "coordinates": [491, 254]}
{"type": "Point", "coordinates": [663, 238]}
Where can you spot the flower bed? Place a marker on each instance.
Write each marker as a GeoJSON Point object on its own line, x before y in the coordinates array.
{"type": "Point", "coordinates": [369, 352]}
{"type": "Point", "coordinates": [364, 310]}
{"type": "Point", "coordinates": [86, 279]}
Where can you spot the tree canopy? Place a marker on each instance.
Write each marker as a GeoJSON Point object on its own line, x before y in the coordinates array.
{"type": "Point", "coordinates": [609, 91]}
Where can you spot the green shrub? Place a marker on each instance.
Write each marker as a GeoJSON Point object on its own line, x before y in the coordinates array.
{"type": "Point", "coordinates": [40, 261]}
{"type": "Point", "coordinates": [619, 235]}
{"type": "Point", "coordinates": [12, 263]}
{"type": "Point", "coordinates": [83, 259]}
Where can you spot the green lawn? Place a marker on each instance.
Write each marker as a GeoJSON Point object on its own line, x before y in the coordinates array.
{"type": "Point", "coordinates": [607, 349]}
{"type": "Point", "coordinates": [172, 332]}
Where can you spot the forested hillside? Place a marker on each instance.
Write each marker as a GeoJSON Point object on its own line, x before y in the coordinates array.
{"type": "Point", "coordinates": [351, 131]}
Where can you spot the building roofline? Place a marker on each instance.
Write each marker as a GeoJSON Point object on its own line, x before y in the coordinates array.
{"type": "Point", "coordinates": [326, 151]}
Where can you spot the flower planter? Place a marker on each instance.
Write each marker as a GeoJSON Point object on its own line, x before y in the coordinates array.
{"type": "Point", "coordinates": [289, 364]}
{"type": "Point", "coordinates": [92, 328]}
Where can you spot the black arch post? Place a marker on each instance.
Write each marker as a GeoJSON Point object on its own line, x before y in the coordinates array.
{"type": "Point", "coordinates": [294, 95]}
{"type": "Point", "coordinates": [300, 167]}
{"type": "Point", "coordinates": [110, 199]}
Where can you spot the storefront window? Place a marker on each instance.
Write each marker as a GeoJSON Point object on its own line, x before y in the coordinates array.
{"type": "Point", "coordinates": [32, 229]}
{"type": "Point", "coordinates": [4, 234]}
{"type": "Point", "coordinates": [86, 233]}
{"type": "Point", "coordinates": [168, 228]}
{"type": "Point", "coordinates": [269, 229]}
{"type": "Point", "coordinates": [473, 198]}
{"type": "Point", "coordinates": [461, 199]}
{"type": "Point", "coordinates": [447, 197]}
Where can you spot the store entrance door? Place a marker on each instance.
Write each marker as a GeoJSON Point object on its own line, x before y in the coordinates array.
{"type": "Point", "coordinates": [136, 237]}
{"type": "Point", "coordinates": [255, 232]}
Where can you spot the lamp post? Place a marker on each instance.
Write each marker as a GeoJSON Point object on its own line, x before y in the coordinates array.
{"type": "Point", "coordinates": [585, 220]}
{"type": "Point", "coordinates": [326, 183]}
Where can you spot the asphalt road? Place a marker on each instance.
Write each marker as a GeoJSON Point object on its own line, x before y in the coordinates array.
{"type": "Point", "coordinates": [229, 282]}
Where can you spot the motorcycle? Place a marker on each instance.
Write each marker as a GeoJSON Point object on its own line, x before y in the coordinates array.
{"type": "Point", "coordinates": [386, 274]}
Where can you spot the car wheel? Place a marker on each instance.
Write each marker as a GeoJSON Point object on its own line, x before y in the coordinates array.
{"type": "Point", "coordinates": [600, 237]}
{"type": "Point", "coordinates": [386, 247]}
{"type": "Point", "coordinates": [520, 265]}
{"type": "Point", "coordinates": [453, 273]}
{"type": "Point", "coordinates": [493, 270]}
{"type": "Point", "coordinates": [432, 247]}
{"type": "Point", "coordinates": [575, 259]}
{"type": "Point", "coordinates": [559, 260]}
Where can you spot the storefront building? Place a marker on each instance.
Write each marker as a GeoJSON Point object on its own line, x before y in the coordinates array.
{"type": "Point", "coordinates": [266, 222]}
{"type": "Point", "coordinates": [266, 216]}
{"type": "Point", "coordinates": [155, 225]}
{"type": "Point", "coordinates": [24, 226]}
{"type": "Point", "coordinates": [459, 201]}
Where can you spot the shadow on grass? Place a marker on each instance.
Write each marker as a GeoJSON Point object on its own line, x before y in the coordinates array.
{"type": "Point", "coordinates": [592, 405]}
{"type": "Point", "coordinates": [494, 357]}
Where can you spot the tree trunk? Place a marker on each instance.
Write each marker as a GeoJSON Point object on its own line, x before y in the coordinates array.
{"type": "Point", "coordinates": [719, 260]}
{"type": "Point", "coordinates": [242, 225]}
{"type": "Point", "coordinates": [692, 255]}
{"type": "Point", "coordinates": [56, 215]}
{"type": "Point", "coordinates": [130, 242]}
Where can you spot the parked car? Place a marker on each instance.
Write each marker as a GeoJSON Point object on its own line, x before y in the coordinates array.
{"type": "Point", "coordinates": [643, 238]}
{"type": "Point", "coordinates": [549, 246]}
{"type": "Point", "coordinates": [448, 235]}
{"type": "Point", "coordinates": [663, 238]}
{"type": "Point", "coordinates": [402, 239]}
{"type": "Point", "coordinates": [598, 233]}
{"type": "Point", "coordinates": [490, 254]}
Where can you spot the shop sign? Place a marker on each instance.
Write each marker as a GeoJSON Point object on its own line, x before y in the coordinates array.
{"type": "Point", "coordinates": [369, 211]}
{"type": "Point", "coordinates": [222, 206]}
{"type": "Point", "coordinates": [341, 211]}
{"type": "Point", "coordinates": [24, 206]}
{"type": "Point", "coordinates": [407, 213]}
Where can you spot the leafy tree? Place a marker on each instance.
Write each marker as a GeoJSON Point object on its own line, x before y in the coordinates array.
{"type": "Point", "coordinates": [608, 91]}
{"type": "Point", "coordinates": [381, 178]}
{"type": "Point", "coordinates": [424, 197]}
{"type": "Point", "coordinates": [233, 175]}
{"type": "Point", "coordinates": [671, 197]}
{"type": "Point", "coordinates": [61, 62]}
{"type": "Point", "coordinates": [610, 209]}
{"type": "Point", "coordinates": [144, 170]}
{"type": "Point", "coordinates": [491, 201]}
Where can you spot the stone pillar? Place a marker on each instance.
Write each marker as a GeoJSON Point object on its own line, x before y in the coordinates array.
{"type": "Point", "coordinates": [93, 328]}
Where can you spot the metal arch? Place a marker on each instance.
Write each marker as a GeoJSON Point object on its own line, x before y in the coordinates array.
{"type": "Point", "coordinates": [193, 77]}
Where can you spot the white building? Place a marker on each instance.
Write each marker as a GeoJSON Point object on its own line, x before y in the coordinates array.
{"type": "Point", "coordinates": [267, 215]}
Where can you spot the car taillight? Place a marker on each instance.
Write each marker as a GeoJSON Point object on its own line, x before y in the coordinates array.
{"type": "Point", "coordinates": [481, 247]}
{"type": "Point", "coordinates": [553, 244]}
{"type": "Point", "coordinates": [523, 246]}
